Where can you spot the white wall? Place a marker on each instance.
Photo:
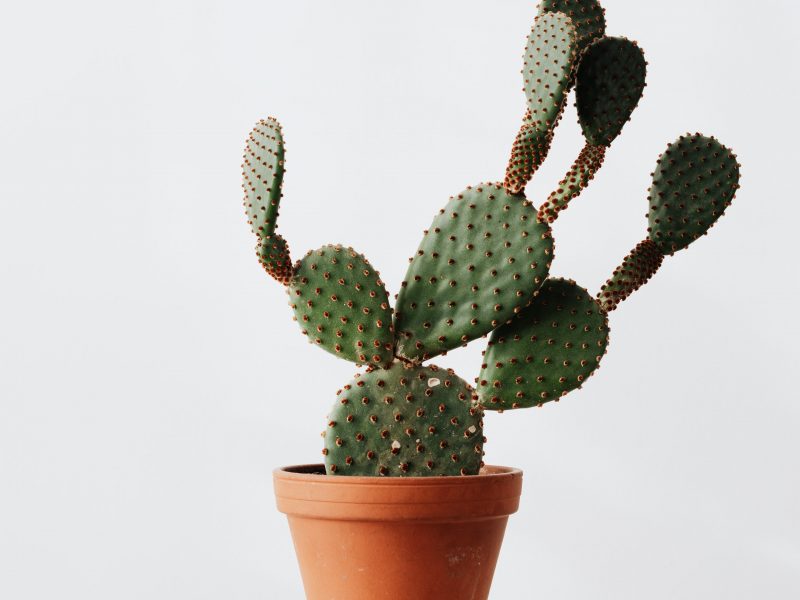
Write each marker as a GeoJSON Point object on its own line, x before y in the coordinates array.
{"type": "Point", "coordinates": [151, 376]}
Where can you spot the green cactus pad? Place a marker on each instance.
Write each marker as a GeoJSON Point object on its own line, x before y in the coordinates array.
{"type": "Point", "coordinates": [273, 254]}
{"type": "Point", "coordinates": [549, 61]}
{"type": "Point", "coordinates": [341, 304]}
{"type": "Point", "coordinates": [610, 82]}
{"type": "Point", "coordinates": [481, 261]}
{"type": "Point", "coordinates": [548, 350]}
{"type": "Point", "coordinates": [587, 16]}
{"type": "Point", "coordinates": [262, 176]}
{"type": "Point", "coordinates": [694, 182]}
{"type": "Point", "coordinates": [636, 269]}
{"type": "Point", "coordinates": [405, 421]}
{"type": "Point", "coordinates": [580, 174]}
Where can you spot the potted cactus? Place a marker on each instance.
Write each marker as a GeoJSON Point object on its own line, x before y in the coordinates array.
{"type": "Point", "coordinates": [404, 443]}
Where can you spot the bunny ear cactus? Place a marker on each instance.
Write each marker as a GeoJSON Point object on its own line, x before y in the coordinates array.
{"type": "Point", "coordinates": [610, 83]}
{"type": "Point", "coordinates": [547, 351]}
{"type": "Point", "coordinates": [403, 421]}
{"type": "Point", "coordinates": [342, 305]}
{"type": "Point", "coordinates": [262, 182]}
{"type": "Point", "coordinates": [695, 180]}
{"type": "Point", "coordinates": [561, 33]}
{"type": "Point", "coordinates": [479, 263]}
{"type": "Point", "coordinates": [483, 268]}
{"type": "Point", "coordinates": [548, 69]}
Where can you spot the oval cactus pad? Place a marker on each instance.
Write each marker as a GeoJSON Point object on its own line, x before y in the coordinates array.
{"type": "Point", "coordinates": [262, 176]}
{"type": "Point", "coordinates": [694, 182]}
{"type": "Point", "coordinates": [481, 261]}
{"type": "Point", "coordinates": [342, 305]}
{"type": "Point", "coordinates": [610, 82]}
{"type": "Point", "coordinates": [405, 421]}
{"type": "Point", "coordinates": [548, 350]}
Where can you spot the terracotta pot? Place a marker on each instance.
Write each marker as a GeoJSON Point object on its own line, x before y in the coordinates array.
{"type": "Point", "coordinates": [397, 538]}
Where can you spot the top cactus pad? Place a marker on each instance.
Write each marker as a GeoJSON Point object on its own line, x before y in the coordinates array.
{"type": "Point", "coordinates": [548, 70]}
{"type": "Point", "coordinates": [587, 16]}
{"type": "Point", "coordinates": [405, 421]}
{"type": "Point", "coordinates": [262, 176]}
{"type": "Point", "coordinates": [481, 261]}
{"type": "Point", "coordinates": [694, 182]}
{"type": "Point", "coordinates": [610, 82]}
{"type": "Point", "coordinates": [342, 305]}
{"type": "Point", "coordinates": [548, 350]}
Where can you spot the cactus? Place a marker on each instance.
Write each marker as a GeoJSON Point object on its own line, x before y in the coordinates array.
{"type": "Point", "coordinates": [695, 180]}
{"type": "Point", "coordinates": [550, 57]}
{"type": "Point", "coordinates": [588, 17]}
{"type": "Point", "coordinates": [561, 33]}
{"type": "Point", "coordinates": [405, 420]}
{"type": "Point", "coordinates": [481, 261]}
{"type": "Point", "coordinates": [548, 350]}
{"type": "Point", "coordinates": [483, 268]}
{"type": "Point", "coordinates": [262, 176]}
{"type": "Point", "coordinates": [610, 81]}
{"type": "Point", "coordinates": [341, 304]}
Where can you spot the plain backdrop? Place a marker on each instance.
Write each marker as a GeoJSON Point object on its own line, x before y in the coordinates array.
{"type": "Point", "coordinates": [151, 375]}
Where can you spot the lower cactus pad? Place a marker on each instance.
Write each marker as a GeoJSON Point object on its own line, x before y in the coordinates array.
{"type": "Point", "coordinates": [405, 421]}
{"type": "Point", "coordinates": [548, 350]}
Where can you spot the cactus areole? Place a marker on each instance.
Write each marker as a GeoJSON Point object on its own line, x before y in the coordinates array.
{"type": "Point", "coordinates": [404, 441]}
{"type": "Point", "coordinates": [483, 267]}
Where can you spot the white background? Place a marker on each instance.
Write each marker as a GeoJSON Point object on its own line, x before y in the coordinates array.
{"type": "Point", "coordinates": [151, 375]}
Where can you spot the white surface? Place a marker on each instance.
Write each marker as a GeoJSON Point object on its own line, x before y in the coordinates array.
{"type": "Point", "coordinates": [151, 376]}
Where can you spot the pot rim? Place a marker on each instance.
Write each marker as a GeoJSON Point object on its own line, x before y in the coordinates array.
{"type": "Point", "coordinates": [305, 491]}
{"type": "Point", "coordinates": [316, 473]}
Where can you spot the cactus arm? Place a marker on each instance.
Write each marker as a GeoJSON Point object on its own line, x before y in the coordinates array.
{"type": "Point", "coordinates": [341, 304]}
{"type": "Point", "coordinates": [405, 421]}
{"type": "Point", "coordinates": [262, 182]}
{"type": "Point", "coordinates": [636, 269]}
{"type": "Point", "coordinates": [549, 62]}
{"type": "Point", "coordinates": [695, 180]}
{"type": "Point", "coordinates": [262, 176]}
{"type": "Point", "coordinates": [546, 97]}
{"type": "Point", "coordinates": [610, 82]}
{"type": "Point", "coordinates": [273, 254]}
{"type": "Point", "coordinates": [482, 260]}
{"type": "Point", "coordinates": [577, 178]}
{"type": "Point", "coordinates": [548, 350]}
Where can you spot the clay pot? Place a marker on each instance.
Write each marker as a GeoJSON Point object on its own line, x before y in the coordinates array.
{"type": "Point", "coordinates": [397, 538]}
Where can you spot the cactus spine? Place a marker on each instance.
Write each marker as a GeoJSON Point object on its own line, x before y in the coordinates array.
{"type": "Point", "coordinates": [483, 267]}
